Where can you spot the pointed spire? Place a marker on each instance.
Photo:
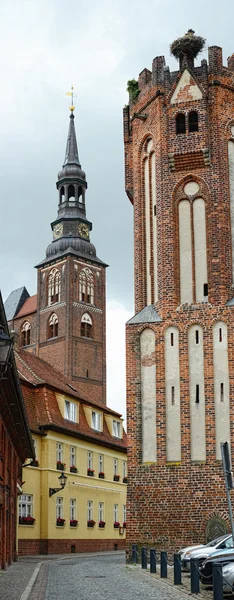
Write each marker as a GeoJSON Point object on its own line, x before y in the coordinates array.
{"type": "Point", "coordinates": [71, 154]}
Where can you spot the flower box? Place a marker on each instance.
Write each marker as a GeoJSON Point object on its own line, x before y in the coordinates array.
{"type": "Point", "coordinates": [124, 525]}
{"type": "Point", "coordinates": [90, 472]}
{"type": "Point", "coordinates": [26, 521]}
{"type": "Point", "coordinates": [125, 480]}
{"type": "Point", "coordinates": [116, 525]}
{"type": "Point", "coordinates": [60, 522]}
{"type": "Point", "coordinates": [101, 524]}
{"type": "Point", "coordinates": [34, 463]}
{"type": "Point", "coordinates": [116, 478]}
{"type": "Point", "coordinates": [73, 523]}
{"type": "Point", "coordinates": [73, 469]}
{"type": "Point", "coordinates": [101, 475]}
{"type": "Point", "coordinates": [91, 523]}
{"type": "Point", "coordinates": [60, 465]}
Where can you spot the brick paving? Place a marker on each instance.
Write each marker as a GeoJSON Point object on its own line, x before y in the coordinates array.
{"type": "Point", "coordinates": [91, 577]}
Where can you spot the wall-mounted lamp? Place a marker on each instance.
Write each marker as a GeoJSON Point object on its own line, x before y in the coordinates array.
{"type": "Point", "coordinates": [62, 480]}
{"type": "Point", "coordinates": [6, 344]}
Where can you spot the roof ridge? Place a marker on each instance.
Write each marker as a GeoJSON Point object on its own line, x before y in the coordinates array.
{"type": "Point", "coordinates": [29, 369]}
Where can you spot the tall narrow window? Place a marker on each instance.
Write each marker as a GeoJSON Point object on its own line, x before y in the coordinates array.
{"type": "Point", "coordinates": [26, 334]}
{"type": "Point", "coordinates": [72, 509]}
{"type": "Point", "coordinates": [90, 460]}
{"type": "Point", "coordinates": [70, 411]}
{"type": "Point", "coordinates": [221, 392]}
{"type": "Point", "coordinates": [89, 510]}
{"type": "Point", "coordinates": [124, 515]}
{"type": "Point", "coordinates": [101, 512]}
{"type": "Point", "coordinates": [193, 121]}
{"type": "Point", "coordinates": [124, 469]}
{"type": "Point", "coordinates": [71, 193]}
{"type": "Point", "coordinates": [54, 286]}
{"type": "Point", "coordinates": [86, 326]}
{"type": "Point", "coordinates": [197, 336]}
{"type": "Point", "coordinates": [72, 456]}
{"type": "Point", "coordinates": [86, 286]}
{"type": "Point", "coordinates": [197, 393]}
{"type": "Point", "coordinates": [101, 463]}
{"type": "Point", "coordinates": [116, 513]}
{"type": "Point", "coordinates": [180, 124]}
{"type": "Point", "coordinates": [53, 326]}
{"type": "Point", "coordinates": [59, 452]}
{"type": "Point", "coordinates": [220, 334]}
{"type": "Point", "coordinates": [96, 420]}
{"type": "Point", "coordinates": [205, 289]}
{"type": "Point", "coordinates": [115, 466]}
{"type": "Point", "coordinates": [172, 339]}
{"type": "Point", "coordinates": [59, 508]}
{"type": "Point", "coordinates": [116, 428]}
{"type": "Point", "coordinates": [173, 395]}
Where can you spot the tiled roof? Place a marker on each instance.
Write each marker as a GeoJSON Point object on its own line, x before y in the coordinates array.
{"type": "Point", "coordinates": [29, 306]}
{"type": "Point", "coordinates": [40, 382]}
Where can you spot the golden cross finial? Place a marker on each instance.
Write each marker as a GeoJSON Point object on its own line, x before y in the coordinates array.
{"type": "Point", "coordinates": [72, 107]}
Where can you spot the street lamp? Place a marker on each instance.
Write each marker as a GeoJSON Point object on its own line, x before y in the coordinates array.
{"type": "Point", "coordinates": [62, 480]}
{"type": "Point", "coordinates": [6, 344]}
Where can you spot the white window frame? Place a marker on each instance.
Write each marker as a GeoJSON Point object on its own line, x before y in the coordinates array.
{"type": "Point", "coordinates": [59, 507]}
{"type": "Point", "coordinates": [124, 513]}
{"type": "Point", "coordinates": [35, 446]}
{"type": "Point", "coordinates": [116, 429]}
{"type": "Point", "coordinates": [96, 420]}
{"type": "Point", "coordinates": [90, 459]}
{"type": "Point", "coordinates": [100, 511]}
{"type": "Point", "coordinates": [70, 411]}
{"type": "Point", "coordinates": [101, 463]}
{"type": "Point", "coordinates": [90, 510]}
{"type": "Point", "coordinates": [59, 452]}
{"type": "Point", "coordinates": [115, 466]}
{"type": "Point", "coordinates": [26, 505]}
{"type": "Point", "coordinates": [72, 456]}
{"type": "Point", "coordinates": [124, 468]}
{"type": "Point", "coordinates": [72, 509]}
{"type": "Point", "coordinates": [116, 513]}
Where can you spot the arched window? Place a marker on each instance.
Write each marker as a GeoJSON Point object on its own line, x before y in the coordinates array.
{"type": "Point", "coordinates": [71, 193]}
{"type": "Point", "coordinates": [86, 326]}
{"type": "Point", "coordinates": [193, 121]}
{"type": "Point", "coordinates": [26, 334]}
{"type": "Point", "coordinates": [53, 326]}
{"type": "Point", "coordinates": [54, 286]}
{"type": "Point", "coordinates": [62, 194]}
{"type": "Point", "coordinates": [180, 124]}
{"type": "Point", "coordinates": [86, 286]}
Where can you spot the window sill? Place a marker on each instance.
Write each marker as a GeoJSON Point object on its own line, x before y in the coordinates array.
{"type": "Point", "coordinates": [26, 525]}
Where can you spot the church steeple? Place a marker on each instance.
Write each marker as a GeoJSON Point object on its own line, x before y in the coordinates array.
{"type": "Point", "coordinates": [71, 154]}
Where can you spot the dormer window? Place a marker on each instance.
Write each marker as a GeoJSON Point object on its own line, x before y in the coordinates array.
{"type": "Point", "coordinates": [70, 411]}
{"type": "Point", "coordinates": [117, 429]}
{"type": "Point", "coordinates": [26, 334]}
{"type": "Point", "coordinates": [96, 421]}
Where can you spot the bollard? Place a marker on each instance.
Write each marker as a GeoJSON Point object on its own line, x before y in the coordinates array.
{"type": "Point", "coordinates": [217, 582]}
{"type": "Point", "coordinates": [195, 579]}
{"type": "Point", "coordinates": [144, 558]}
{"type": "Point", "coordinates": [134, 554]}
{"type": "Point", "coordinates": [163, 565]}
{"type": "Point", "coordinates": [177, 569]}
{"type": "Point", "coordinates": [152, 560]}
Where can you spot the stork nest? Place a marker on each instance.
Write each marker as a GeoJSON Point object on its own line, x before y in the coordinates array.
{"type": "Point", "coordinates": [188, 44]}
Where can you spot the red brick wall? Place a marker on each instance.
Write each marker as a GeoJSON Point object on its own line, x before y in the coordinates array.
{"type": "Point", "coordinates": [36, 547]}
{"type": "Point", "coordinates": [170, 505]}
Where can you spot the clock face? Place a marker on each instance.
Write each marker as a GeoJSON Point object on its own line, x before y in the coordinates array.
{"type": "Point", "coordinates": [83, 230]}
{"type": "Point", "coordinates": [58, 230]}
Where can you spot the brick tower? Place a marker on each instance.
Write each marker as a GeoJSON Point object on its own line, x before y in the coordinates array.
{"type": "Point", "coordinates": [71, 310]}
{"type": "Point", "coordinates": [65, 323]}
{"type": "Point", "coordinates": [179, 168]}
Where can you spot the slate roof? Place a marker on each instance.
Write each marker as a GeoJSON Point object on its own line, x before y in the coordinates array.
{"type": "Point", "coordinates": [146, 315]}
{"type": "Point", "coordinates": [29, 306]}
{"type": "Point", "coordinates": [14, 302]}
{"type": "Point", "coordinates": [40, 382]}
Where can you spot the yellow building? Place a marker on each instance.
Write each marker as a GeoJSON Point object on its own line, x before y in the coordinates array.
{"type": "Point", "coordinates": [85, 441]}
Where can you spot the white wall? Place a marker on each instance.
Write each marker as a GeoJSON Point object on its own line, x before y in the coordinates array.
{"type": "Point", "coordinates": [221, 376]}
{"type": "Point", "coordinates": [199, 223]}
{"type": "Point", "coordinates": [148, 396]}
{"type": "Point", "coordinates": [197, 410]}
{"type": "Point", "coordinates": [186, 283]}
{"type": "Point", "coordinates": [172, 384]}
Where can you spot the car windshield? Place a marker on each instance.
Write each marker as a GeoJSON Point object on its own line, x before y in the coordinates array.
{"type": "Point", "coordinates": [216, 541]}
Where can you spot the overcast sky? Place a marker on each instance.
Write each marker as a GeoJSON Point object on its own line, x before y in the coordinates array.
{"type": "Point", "coordinates": [97, 46]}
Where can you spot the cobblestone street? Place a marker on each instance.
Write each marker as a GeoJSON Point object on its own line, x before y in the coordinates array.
{"type": "Point", "coordinates": [89, 577]}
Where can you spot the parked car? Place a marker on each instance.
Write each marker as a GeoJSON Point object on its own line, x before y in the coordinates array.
{"type": "Point", "coordinates": [228, 578]}
{"type": "Point", "coordinates": [223, 557]}
{"type": "Point", "coordinates": [202, 552]}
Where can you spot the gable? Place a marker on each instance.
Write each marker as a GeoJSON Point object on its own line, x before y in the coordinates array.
{"type": "Point", "coordinates": [186, 89]}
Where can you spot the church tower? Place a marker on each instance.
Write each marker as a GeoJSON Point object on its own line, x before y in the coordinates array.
{"type": "Point", "coordinates": [179, 176]}
{"type": "Point", "coordinates": [71, 299]}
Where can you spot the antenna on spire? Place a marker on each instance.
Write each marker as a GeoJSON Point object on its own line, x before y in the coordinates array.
{"type": "Point", "coordinates": [72, 107]}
